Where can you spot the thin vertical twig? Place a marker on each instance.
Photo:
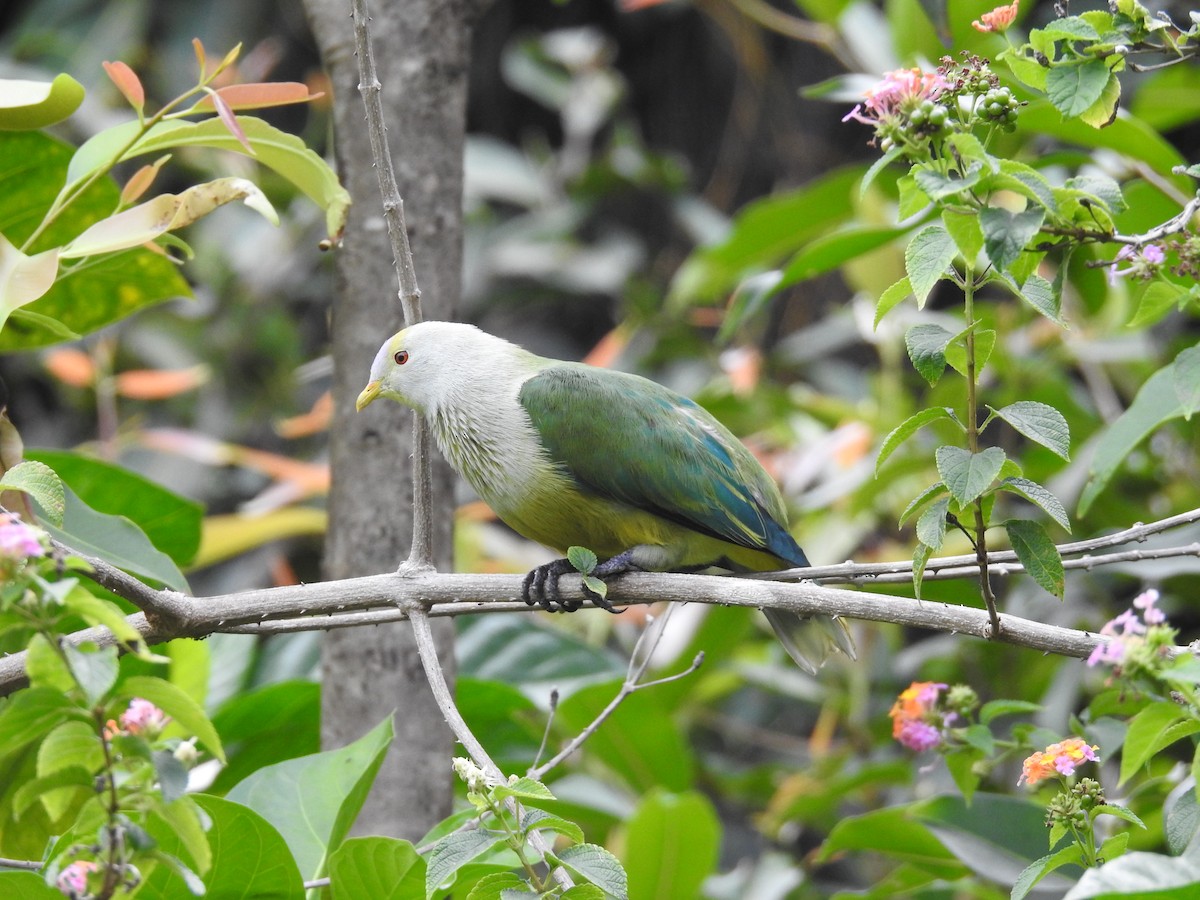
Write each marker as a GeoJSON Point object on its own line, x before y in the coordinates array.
{"type": "Point", "coordinates": [420, 557]}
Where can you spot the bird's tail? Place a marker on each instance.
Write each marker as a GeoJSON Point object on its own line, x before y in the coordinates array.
{"type": "Point", "coordinates": [810, 641]}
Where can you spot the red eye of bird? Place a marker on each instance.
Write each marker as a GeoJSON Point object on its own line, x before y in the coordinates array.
{"type": "Point", "coordinates": [401, 357]}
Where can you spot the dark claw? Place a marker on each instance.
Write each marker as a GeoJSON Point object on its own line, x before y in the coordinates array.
{"type": "Point", "coordinates": [540, 586]}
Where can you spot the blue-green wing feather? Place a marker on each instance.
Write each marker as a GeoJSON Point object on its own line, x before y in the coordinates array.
{"type": "Point", "coordinates": [636, 441]}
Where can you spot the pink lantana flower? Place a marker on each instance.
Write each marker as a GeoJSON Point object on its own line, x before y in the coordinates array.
{"type": "Point", "coordinates": [1143, 262]}
{"type": "Point", "coordinates": [999, 19]}
{"type": "Point", "coordinates": [143, 717]}
{"type": "Point", "coordinates": [1057, 759]}
{"type": "Point", "coordinates": [18, 540]}
{"type": "Point", "coordinates": [73, 880]}
{"type": "Point", "coordinates": [898, 92]}
{"type": "Point", "coordinates": [917, 722]}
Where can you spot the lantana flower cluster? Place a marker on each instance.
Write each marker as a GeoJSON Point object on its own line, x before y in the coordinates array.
{"type": "Point", "coordinates": [911, 109]}
{"type": "Point", "coordinates": [19, 541]}
{"type": "Point", "coordinates": [921, 715]}
{"type": "Point", "coordinates": [1139, 639]}
{"type": "Point", "coordinates": [1061, 758]}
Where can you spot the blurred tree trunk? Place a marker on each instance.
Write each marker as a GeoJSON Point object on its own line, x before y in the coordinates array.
{"type": "Point", "coordinates": [421, 50]}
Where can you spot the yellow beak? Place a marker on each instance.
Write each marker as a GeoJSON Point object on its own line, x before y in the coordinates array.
{"type": "Point", "coordinates": [369, 393]}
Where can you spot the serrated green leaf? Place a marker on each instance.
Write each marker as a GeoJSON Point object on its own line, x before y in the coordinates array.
{"type": "Point", "coordinates": [1041, 497]}
{"type": "Point", "coordinates": [1119, 812]}
{"type": "Point", "coordinates": [98, 611]}
{"type": "Point", "coordinates": [970, 148]}
{"type": "Point", "coordinates": [1041, 295]}
{"type": "Point", "coordinates": [454, 851]}
{"type": "Point", "coordinates": [178, 705]}
{"type": "Point", "coordinates": [1006, 234]}
{"type": "Point", "coordinates": [937, 186]}
{"type": "Point", "coordinates": [926, 346]}
{"type": "Point", "coordinates": [1102, 112]}
{"type": "Point", "coordinates": [965, 230]}
{"type": "Point", "coordinates": [1027, 181]}
{"type": "Point", "coordinates": [931, 524]}
{"type": "Point", "coordinates": [94, 669]}
{"type": "Point", "coordinates": [380, 868]}
{"type": "Point", "coordinates": [583, 559]}
{"type": "Point", "coordinates": [927, 258]}
{"type": "Point", "coordinates": [595, 585]}
{"type": "Point", "coordinates": [1039, 422]}
{"type": "Point", "coordinates": [41, 483]}
{"type": "Point", "coordinates": [524, 789]}
{"type": "Point", "coordinates": [909, 427]}
{"type": "Point", "coordinates": [534, 819]}
{"type": "Point", "coordinates": [1074, 87]}
{"type": "Point", "coordinates": [498, 886]}
{"type": "Point", "coordinates": [599, 867]}
{"type": "Point", "coordinates": [876, 167]}
{"type": "Point", "coordinates": [1072, 854]}
{"type": "Point", "coordinates": [1186, 380]}
{"type": "Point", "coordinates": [1037, 553]}
{"type": "Point", "coordinates": [966, 474]}
{"type": "Point", "coordinates": [890, 298]}
{"type": "Point", "coordinates": [921, 499]}
{"type": "Point", "coordinates": [1102, 188]}
{"type": "Point", "coordinates": [956, 352]}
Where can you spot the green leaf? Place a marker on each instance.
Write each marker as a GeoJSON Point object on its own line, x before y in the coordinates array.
{"type": "Point", "coordinates": [23, 278]}
{"type": "Point", "coordinates": [583, 559]}
{"type": "Point", "coordinates": [1120, 812]}
{"type": "Point", "coordinates": [956, 351]}
{"type": "Point", "coordinates": [595, 585]}
{"type": "Point", "coordinates": [967, 475]}
{"type": "Point", "coordinates": [454, 851]}
{"type": "Point", "coordinates": [56, 790]}
{"type": "Point", "coordinates": [268, 725]}
{"type": "Point", "coordinates": [380, 868]}
{"type": "Point", "coordinates": [890, 298]}
{"type": "Point", "coordinates": [98, 611]}
{"type": "Point", "coordinates": [1073, 88]}
{"type": "Point", "coordinates": [671, 846]}
{"type": "Point", "coordinates": [931, 525]}
{"type": "Point", "coordinates": [190, 824]}
{"type": "Point", "coordinates": [1102, 188]}
{"type": "Point", "coordinates": [1072, 854]}
{"type": "Point", "coordinates": [640, 741]}
{"type": "Point", "coordinates": [523, 789]}
{"type": "Point", "coordinates": [1037, 554]}
{"type": "Point", "coordinates": [876, 167]}
{"type": "Point", "coordinates": [1104, 109]}
{"type": "Point", "coordinates": [279, 151]}
{"type": "Point", "coordinates": [828, 251]}
{"type": "Point", "coordinates": [73, 743]}
{"type": "Point", "coordinates": [1042, 296]}
{"type": "Point", "coordinates": [1156, 402]}
{"type": "Point", "coordinates": [313, 800]}
{"type": "Point", "coordinates": [1040, 496]}
{"type": "Point", "coordinates": [937, 186]}
{"type": "Point", "coordinates": [39, 482]}
{"type": "Point", "coordinates": [1185, 378]}
{"type": "Point", "coordinates": [994, 709]}
{"type": "Point", "coordinates": [599, 867]}
{"type": "Point", "coordinates": [927, 258]}
{"type": "Point", "coordinates": [920, 557]}
{"type": "Point", "coordinates": [1150, 731]}
{"type": "Point", "coordinates": [45, 668]}
{"type": "Point", "coordinates": [178, 705]}
{"type": "Point", "coordinates": [171, 522]}
{"type": "Point", "coordinates": [921, 499]}
{"type": "Point", "coordinates": [535, 819]}
{"type": "Point", "coordinates": [1006, 234]}
{"type": "Point", "coordinates": [116, 540]}
{"type": "Point", "coordinates": [1142, 876]}
{"type": "Point", "coordinates": [1026, 181]}
{"type": "Point", "coordinates": [31, 714]}
{"type": "Point", "coordinates": [927, 349]}
{"type": "Point", "coordinates": [1181, 817]}
{"type": "Point", "coordinates": [30, 105]}
{"type": "Point", "coordinates": [1157, 299]}
{"type": "Point", "coordinates": [249, 857]}
{"type": "Point", "coordinates": [500, 886]}
{"type": "Point", "coordinates": [893, 832]}
{"type": "Point", "coordinates": [32, 170]}
{"type": "Point", "coordinates": [1039, 422]}
{"type": "Point", "coordinates": [748, 301]}
{"type": "Point", "coordinates": [909, 427]}
{"type": "Point", "coordinates": [967, 234]}
{"type": "Point", "coordinates": [94, 669]}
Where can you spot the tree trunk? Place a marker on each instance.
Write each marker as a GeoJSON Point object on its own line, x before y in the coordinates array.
{"type": "Point", "coordinates": [421, 51]}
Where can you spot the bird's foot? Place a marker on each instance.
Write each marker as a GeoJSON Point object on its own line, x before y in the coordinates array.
{"type": "Point", "coordinates": [540, 587]}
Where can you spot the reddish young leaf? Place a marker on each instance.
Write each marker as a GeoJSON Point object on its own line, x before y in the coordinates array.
{"type": "Point", "coordinates": [70, 366]}
{"type": "Point", "coordinates": [226, 115]}
{"type": "Point", "coordinates": [260, 95]}
{"type": "Point", "coordinates": [141, 180]}
{"type": "Point", "coordinates": [160, 384]}
{"type": "Point", "coordinates": [127, 83]}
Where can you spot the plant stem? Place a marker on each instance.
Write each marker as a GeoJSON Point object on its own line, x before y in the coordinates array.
{"type": "Point", "coordinates": [985, 580]}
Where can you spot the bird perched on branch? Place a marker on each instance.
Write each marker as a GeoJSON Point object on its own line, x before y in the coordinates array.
{"type": "Point", "coordinates": [571, 455]}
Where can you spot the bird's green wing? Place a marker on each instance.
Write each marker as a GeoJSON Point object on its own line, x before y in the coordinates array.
{"type": "Point", "coordinates": [636, 441]}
